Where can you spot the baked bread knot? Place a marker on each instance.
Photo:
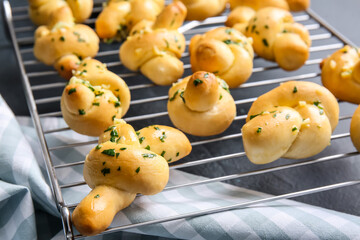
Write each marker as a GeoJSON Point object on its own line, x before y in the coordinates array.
{"type": "Point", "coordinates": [224, 51]}
{"type": "Point", "coordinates": [63, 43]}
{"type": "Point", "coordinates": [202, 9]}
{"type": "Point", "coordinates": [122, 166]}
{"type": "Point", "coordinates": [294, 120]}
{"type": "Point", "coordinates": [278, 38]}
{"type": "Point", "coordinates": [93, 98]}
{"type": "Point", "coordinates": [40, 11]}
{"type": "Point", "coordinates": [154, 48]}
{"type": "Point", "coordinates": [118, 17]}
{"type": "Point", "coordinates": [355, 129]}
{"type": "Point", "coordinates": [165, 141]}
{"type": "Point", "coordinates": [201, 105]}
{"type": "Point", "coordinates": [292, 5]}
{"type": "Point", "coordinates": [341, 74]}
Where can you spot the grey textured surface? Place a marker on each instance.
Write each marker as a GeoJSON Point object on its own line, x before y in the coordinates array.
{"type": "Point", "coordinates": [343, 15]}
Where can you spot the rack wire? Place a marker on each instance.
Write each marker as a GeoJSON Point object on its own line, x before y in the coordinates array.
{"type": "Point", "coordinates": [43, 89]}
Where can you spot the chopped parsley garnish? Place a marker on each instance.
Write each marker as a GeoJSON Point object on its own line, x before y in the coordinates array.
{"type": "Point", "coordinates": [137, 133]}
{"type": "Point", "coordinates": [265, 42]}
{"type": "Point", "coordinates": [173, 97]}
{"type": "Point", "coordinates": [62, 38]}
{"type": "Point", "coordinates": [169, 160]}
{"type": "Point", "coordinates": [156, 128]}
{"type": "Point", "coordinates": [229, 30]}
{"type": "Point", "coordinates": [109, 152]}
{"type": "Point", "coordinates": [117, 155]}
{"type": "Point", "coordinates": [141, 139]}
{"type": "Point", "coordinates": [177, 154]}
{"type": "Point", "coordinates": [113, 135]}
{"type": "Point", "coordinates": [294, 129]}
{"type": "Point", "coordinates": [137, 170]}
{"type": "Point", "coordinates": [221, 96]}
{"type": "Point", "coordinates": [84, 71]}
{"type": "Point", "coordinates": [122, 149]}
{"type": "Point", "coordinates": [295, 90]}
{"type": "Point", "coordinates": [117, 104]}
{"type": "Point", "coordinates": [110, 128]}
{"type": "Point", "coordinates": [113, 117]}
{"type": "Point", "coordinates": [97, 196]}
{"type": "Point", "coordinates": [162, 153]}
{"type": "Point", "coordinates": [206, 75]}
{"type": "Point", "coordinates": [259, 130]}
{"type": "Point", "coordinates": [98, 147]}
{"type": "Point", "coordinates": [316, 103]}
{"type": "Point", "coordinates": [147, 147]}
{"type": "Point", "coordinates": [167, 43]}
{"type": "Point", "coordinates": [274, 116]}
{"type": "Point", "coordinates": [228, 41]}
{"type": "Point", "coordinates": [266, 26]}
{"type": "Point", "coordinates": [225, 86]}
{"type": "Point", "coordinates": [104, 163]}
{"type": "Point", "coordinates": [197, 82]}
{"type": "Point", "coordinates": [96, 104]}
{"type": "Point", "coordinates": [253, 28]}
{"type": "Point", "coordinates": [119, 168]}
{"type": "Point", "coordinates": [162, 138]}
{"type": "Point", "coordinates": [287, 116]}
{"type": "Point", "coordinates": [62, 68]}
{"type": "Point", "coordinates": [105, 171]}
{"type": "Point", "coordinates": [72, 90]}
{"type": "Point", "coordinates": [254, 116]}
{"type": "Point", "coordinates": [148, 155]}
{"type": "Point", "coordinates": [99, 94]}
{"type": "Point", "coordinates": [285, 31]}
{"type": "Point", "coordinates": [182, 96]}
{"type": "Point", "coordinates": [82, 112]}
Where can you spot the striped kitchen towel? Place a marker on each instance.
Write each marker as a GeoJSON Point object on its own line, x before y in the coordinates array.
{"type": "Point", "coordinates": [284, 219]}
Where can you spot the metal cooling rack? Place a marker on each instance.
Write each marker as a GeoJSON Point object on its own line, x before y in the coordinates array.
{"type": "Point", "coordinates": [43, 89]}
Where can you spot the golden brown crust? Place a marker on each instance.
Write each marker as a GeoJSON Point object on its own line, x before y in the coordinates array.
{"type": "Point", "coordinates": [202, 9]}
{"type": "Point", "coordinates": [92, 92]}
{"type": "Point", "coordinates": [292, 5]}
{"type": "Point", "coordinates": [258, 4]}
{"type": "Point", "coordinates": [239, 18]}
{"type": "Point", "coordinates": [118, 17]}
{"type": "Point", "coordinates": [286, 121]}
{"type": "Point", "coordinates": [97, 210]}
{"type": "Point", "coordinates": [341, 74]}
{"type": "Point", "coordinates": [224, 51]}
{"type": "Point", "coordinates": [201, 123]}
{"type": "Point", "coordinates": [278, 38]}
{"type": "Point", "coordinates": [355, 129]}
{"type": "Point", "coordinates": [298, 5]}
{"type": "Point", "coordinates": [41, 11]}
{"type": "Point", "coordinates": [156, 51]}
{"type": "Point", "coordinates": [166, 141]}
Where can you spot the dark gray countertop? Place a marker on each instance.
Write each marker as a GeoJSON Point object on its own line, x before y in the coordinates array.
{"type": "Point", "coordinates": [343, 16]}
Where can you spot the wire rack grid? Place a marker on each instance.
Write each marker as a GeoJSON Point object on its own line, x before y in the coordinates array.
{"type": "Point", "coordinates": [43, 90]}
